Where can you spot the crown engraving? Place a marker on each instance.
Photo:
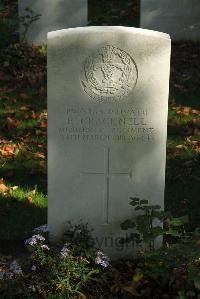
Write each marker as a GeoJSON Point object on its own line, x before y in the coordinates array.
{"type": "Point", "coordinates": [109, 74]}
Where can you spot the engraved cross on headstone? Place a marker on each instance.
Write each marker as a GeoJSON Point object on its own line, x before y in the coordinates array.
{"type": "Point", "coordinates": [107, 174]}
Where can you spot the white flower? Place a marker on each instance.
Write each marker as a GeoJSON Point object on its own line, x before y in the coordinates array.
{"type": "Point", "coordinates": [65, 251]}
{"type": "Point", "coordinates": [34, 240]}
{"type": "Point", "coordinates": [2, 274]}
{"type": "Point", "coordinates": [45, 247]}
{"type": "Point", "coordinates": [32, 287]}
{"type": "Point", "coordinates": [84, 259]}
{"type": "Point", "coordinates": [15, 268]}
{"type": "Point", "coordinates": [41, 229]}
{"type": "Point", "coordinates": [102, 259]}
{"type": "Point", "coordinates": [33, 268]}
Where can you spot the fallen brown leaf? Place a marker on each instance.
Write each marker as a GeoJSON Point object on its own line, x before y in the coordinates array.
{"type": "Point", "coordinates": [196, 121]}
{"type": "Point", "coordinates": [40, 132]}
{"type": "Point", "coordinates": [40, 145]}
{"type": "Point", "coordinates": [42, 164]}
{"type": "Point", "coordinates": [183, 110]}
{"type": "Point", "coordinates": [24, 108]}
{"type": "Point", "coordinates": [34, 115]}
{"type": "Point", "coordinates": [1, 76]}
{"type": "Point", "coordinates": [3, 187]}
{"type": "Point", "coordinates": [181, 146]}
{"type": "Point", "coordinates": [24, 96]}
{"type": "Point", "coordinates": [39, 155]}
{"type": "Point", "coordinates": [194, 111]}
{"type": "Point", "coordinates": [26, 116]}
{"type": "Point", "coordinates": [9, 150]}
{"type": "Point", "coordinates": [14, 188]}
{"type": "Point", "coordinates": [42, 91]}
{"type": "Point", "coordinates": [29, 199]}
{"type": "Point", "coordinates": [12, 123]}
{"type": "Point", "coordinates": [3, 141]}
{"type": "Point", "coordinates": [43, 124]}
{"type": "Point", "coordinates": [197, 131]}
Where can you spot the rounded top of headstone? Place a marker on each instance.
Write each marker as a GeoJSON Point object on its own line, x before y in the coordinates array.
{"type": "Point", "coordinates": [102, 29]}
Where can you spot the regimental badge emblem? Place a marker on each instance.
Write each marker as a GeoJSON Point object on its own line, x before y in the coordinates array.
{"type": "Point", "coordinates": [109, 74]}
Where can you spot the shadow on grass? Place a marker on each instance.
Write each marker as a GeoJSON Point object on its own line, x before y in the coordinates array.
{"type": "Point", "coordinates": [18, 219]}
{"type": "Point", "coordinates": [184, 77]}
{"type": "Point", "coordinates": [182, 187]}
{"type": "Point", "coordinates": [186, 98]}
{"type": "Point", "coordinates": [24, 176]}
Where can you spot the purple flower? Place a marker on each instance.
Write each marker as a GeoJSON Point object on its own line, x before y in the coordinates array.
{"type": "Point", "coordinates": [65, 251]}
{"type": "Point", "coordinates": [34, 240]}
{"type": "Point", "coordinates": [102, 259]}
{"type": "Point", "coordinates": [41, 229]}
{"type": "Point", "coordinates": [15, 268]}
{"type": "Point", "coordinates": [2, 274]}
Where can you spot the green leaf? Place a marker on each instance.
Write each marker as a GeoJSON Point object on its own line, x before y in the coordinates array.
{"type": "Point", "coordinates": [153, 207]}
{"type": "Point", "coordinates": [134, 201]}
{"type": "Point", "coordinates": [173, 233]}
{"type": "Point", "coordinates": [135, 236]}
{"type": "Point", "coordinates": [190, 294]}
{"type": "Point", "coordinates": [144, 202]}
{"type": "Point", "coordinates": [157, 231]}
{"type": "Point", "coordinates": [139, 208]}
{"type": "Point", "coordinates": [194, 275]}
{"type": "Point", "coordinates": [127, 224]}
{"type": "Point", "coordinates": [135, 198]}
{"type": "Point", "coordinates": [142, 222]}
{"type": "Point", "coordinates": [179, 221]}
{"type": "Point", "coordinates": [181, 295]}
{"type": "Point", "coordinates": [158, 214]}
{"type": "Point", "coordinates": [197, 282]}
{"type": "Point", "coordinates": [148, 237]}
{"type": "Point", "coordinates": [137, 277]}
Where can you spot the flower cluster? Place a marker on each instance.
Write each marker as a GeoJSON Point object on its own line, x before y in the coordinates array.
{"type": "Point", "coordinates": [41, 229]}
{"type": "Point", "coordinates": [15, 268]}
{"type": "Point", "coordinates": [65, 251]}
{"type": "Point", "coordinates": [102, 259]}
{"type": "Point", "coordinates": [2, 274]}
{"type": "Point", "coordinates": [34, 240]}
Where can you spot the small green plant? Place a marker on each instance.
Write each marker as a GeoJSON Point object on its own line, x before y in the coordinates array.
{"type": "Point", "coordinates": [27, 20]}
{"type": "Point", "coordinates": [148, 224]}
{"type": "Point", "coordinates": [151, 222]}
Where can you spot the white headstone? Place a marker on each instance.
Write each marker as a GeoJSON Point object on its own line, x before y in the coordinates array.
{"type": "Point", "coordinates": [179, 18]}
{"type": "Point", "coordinates": [107, 105]}
{"type": "Point", "coordinates": [55, 15]}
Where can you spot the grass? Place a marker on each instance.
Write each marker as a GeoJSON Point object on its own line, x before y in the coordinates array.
{"type": "Point", "coordinates": [23, 190]}
{"type": "Point", "coordinates": [23, 124]}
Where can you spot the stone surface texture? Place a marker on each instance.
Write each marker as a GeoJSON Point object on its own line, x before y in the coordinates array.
{"type": "Point", "coordinates": [107, 127]}
{"type": "Point", "coordinates": [55, 15]}
{"type": "Point", "coordinates": [179, 18]}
